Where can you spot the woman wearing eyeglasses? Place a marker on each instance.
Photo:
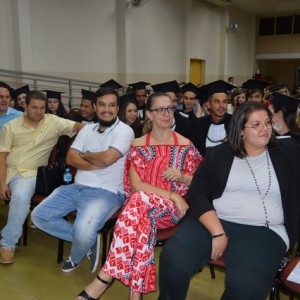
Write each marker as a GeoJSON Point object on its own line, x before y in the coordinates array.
{"type": "Point", "coordinates": [158, 172]}
{"type": "Point", "coordinates": [244, 206]}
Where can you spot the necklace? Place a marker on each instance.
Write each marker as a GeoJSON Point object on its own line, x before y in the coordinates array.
{"type": "Point", "coordinates": [161, 140]}
{"type": "Point", "coordinates": [263, 197]}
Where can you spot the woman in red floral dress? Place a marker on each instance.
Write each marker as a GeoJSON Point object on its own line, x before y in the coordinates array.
{"type": "Point", "coordinates": [158, 171]}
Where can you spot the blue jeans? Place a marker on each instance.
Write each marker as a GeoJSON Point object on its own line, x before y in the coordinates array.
{"type": "Point", "coordinates": [94, 207]}
{"type": "Point", "coordinates": [21, 189]}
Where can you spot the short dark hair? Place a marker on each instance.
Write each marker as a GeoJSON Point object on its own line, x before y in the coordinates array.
{"type": "Point", "coordinates": [102, 91]}
{"type": "Point", "coordinates": [35, 94]}
{"type": "Point", "coordinates": [239, 119]}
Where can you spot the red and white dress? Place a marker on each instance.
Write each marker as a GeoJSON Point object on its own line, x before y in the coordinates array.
{"type": "Point", "coordinates": [131, 255]}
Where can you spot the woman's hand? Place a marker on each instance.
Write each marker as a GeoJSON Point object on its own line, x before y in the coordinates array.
{"type": "Point", "coordinates": [219, 245]}
{"type": "Point", "coordinates": [180, 203]}
{"type": "Point", "coordinates": [172, 174]}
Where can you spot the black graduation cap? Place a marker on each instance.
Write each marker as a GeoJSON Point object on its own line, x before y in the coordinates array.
{"type": "Point", "coordinates": [189, 87]}
{"type": "Point", "coordinates": [88, 95]}
{"type": "Point", "coordinates": [202, 97]}
{"type": "Point", "coordinates": [284, 101]}
{"type": "Point", "coordinates": [169, 86]}
{"type": "Point", "coordinates": [219, 86]}
{"type": "Point", "coordinates": [21, 90]}
{"type": "Point", "coordinates": [111, 83]}
{"type": "Point", "coordinates": [255, 84]}
{"type": "Point", "coordinates": [5, 85]}
{"type": "Point", "coordinates": [53, 94]}
{"type": "Point", "coordinates": [130, 97]}
{"type": "Point", "coordinates": [141, 85]}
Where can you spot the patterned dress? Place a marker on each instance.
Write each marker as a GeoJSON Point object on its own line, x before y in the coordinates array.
{"type": "Point", "coordinates": [131, 255]}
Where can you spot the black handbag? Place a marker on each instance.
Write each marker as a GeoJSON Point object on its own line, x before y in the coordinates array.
{"type": "Point", "coordinates": [48, 178]}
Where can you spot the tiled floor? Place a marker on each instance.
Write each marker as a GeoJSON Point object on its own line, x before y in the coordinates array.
{"type": "Point", "coordinates": [36, 276]}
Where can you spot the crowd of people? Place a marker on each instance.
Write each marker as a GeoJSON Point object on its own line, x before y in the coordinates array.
{"type": "Point", "coordinates": [219, 160]}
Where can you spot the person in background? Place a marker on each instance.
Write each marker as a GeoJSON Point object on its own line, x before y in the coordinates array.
{"type": "Point", "coordinates": [7, 113]}
{"type": "Point", "coordinates": [98, 153]}
{"type": "Point", "coordinates": [140, 92]}
{"type": "Point", "coordinates": [25, 144]}
{"type": "Point", "coordinates": [238, 97]}
{"type": "Point", "coordinates": [284, 110]}
{"type": "Point", "coordinates": [255, 90]}
{"type": "Point", "coordinates": [231, 80]}
{"type": "Point", "coordinates": [212, 129]}
{"type": "Point", "coordinates": [19, 96]}
{"type": "Point", "coordinates": [244, 206]}
{"type": "Point", "coordinates": [128, 113]}
{"type": "Point", "coordinates": [113, 84]}
{"type": "Point", "coordinates": [179, 123]}
{"type": "Point", "coordinates": [189, 92]}
{"type": "Point", "coordinates": [158, 172]}
{"type": "Point", "coordinates": [87, 108]}
{"type": "Point", "coordinates": [55, 105]}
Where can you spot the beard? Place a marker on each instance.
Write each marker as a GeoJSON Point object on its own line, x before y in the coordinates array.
{"type": "Point", "coordinates": [107, 123]}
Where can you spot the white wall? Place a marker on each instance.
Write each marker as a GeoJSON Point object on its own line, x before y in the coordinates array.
{"type": "Point", "coordinates": [102, 39]}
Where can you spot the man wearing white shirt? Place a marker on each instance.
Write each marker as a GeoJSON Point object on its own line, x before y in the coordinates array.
{"type": "Point", "coordinates": [98, 153]}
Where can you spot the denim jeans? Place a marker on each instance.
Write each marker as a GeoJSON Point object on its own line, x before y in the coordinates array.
{"type": "Point", "coordinates": [21, 189]}
{"type": "Point", "coordinates": [94, 207]}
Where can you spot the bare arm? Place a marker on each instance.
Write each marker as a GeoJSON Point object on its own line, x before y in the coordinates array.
{"type": "Point", "coordinates": [102, 159]}
{"type": "Point", "coordinates": [4, 190]}
{"type": "Point", "coordinates": [138, 185]}
{"type": "Point", "coordinates": [77, 126]}
{"type": "Point", "coordinates": [212, 223]}
{"type": "Point", "coordinates": [74, 159]}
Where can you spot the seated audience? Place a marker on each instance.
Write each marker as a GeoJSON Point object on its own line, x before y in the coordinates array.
{"type": "Point", "coordinates": [158, 172]}
{"type": "Point", "coordinates": [7, 113]}
{"type": "Point", "coordinates": [256, 90]}
{"type": "Point", "coordinates": [98, 153]}
{"type": "Point", "coordinates": [25, 144]}
{"type": "Point", "coordinates": [128, 113]}
{"type": "Point", "coordinates": [87, 108]}
{"type": "Point", "coordinates": [284, 110]}
{"type": "Point", "coordinates": [243, 206]}
{"type": "Point", "coordinates": [238, 97]}
{"type": "Point", "coordinates": [19, 96]}
{"type": "Point", "coordinates": [55, 105]}
{"type": "Point", "coordinates": [212, 129]}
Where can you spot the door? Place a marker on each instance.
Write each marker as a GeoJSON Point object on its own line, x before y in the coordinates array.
{"type": "Point", "coordinates": [197, 71]}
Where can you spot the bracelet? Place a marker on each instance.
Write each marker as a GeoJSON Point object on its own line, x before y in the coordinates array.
{"type": "Point", "coordinates": [219, 235]}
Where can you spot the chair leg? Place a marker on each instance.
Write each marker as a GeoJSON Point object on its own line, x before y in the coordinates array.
{"type": "Point", "coordinates": [25, 232]}
{"type": "Point", "coordinates": [212, 272]}
{"type": "Point", "coordinates": [104, 232]}
{"type": "Point", "coordinates": [60, 251]}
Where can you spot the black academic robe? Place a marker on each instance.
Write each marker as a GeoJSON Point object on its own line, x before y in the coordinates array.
{"type": "Point", "coordinates": [80, 119]}
{"type": "Point", "coordinates": [203, 127]}
{"type": "Point", "coordinates": [289, 134]}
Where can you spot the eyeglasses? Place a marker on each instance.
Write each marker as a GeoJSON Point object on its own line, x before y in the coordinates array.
{"type": "Point", "coordinates": [164, 110]}
{"type": "Point", "coordinates": [259, 126]}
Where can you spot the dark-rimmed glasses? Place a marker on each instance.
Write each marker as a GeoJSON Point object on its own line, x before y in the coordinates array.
{"type": "Point", "coordinates": [164, 110]}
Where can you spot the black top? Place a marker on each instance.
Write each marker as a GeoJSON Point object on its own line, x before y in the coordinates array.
{"type": "Point", "coordinates": [203, 125]}
{"type": "Point", "coordinates": [210, 179]}
{"type": "Point", "coordinates": [80, 119]}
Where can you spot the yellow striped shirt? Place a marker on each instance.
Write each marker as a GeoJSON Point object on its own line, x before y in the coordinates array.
{"type": "Point", "coordinates": [30, 147]}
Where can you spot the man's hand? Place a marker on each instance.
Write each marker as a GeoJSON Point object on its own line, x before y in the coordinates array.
{"type": "Point", "coordinates": [4, 192]}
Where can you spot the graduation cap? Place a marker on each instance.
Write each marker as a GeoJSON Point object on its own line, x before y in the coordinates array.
{"type": "Point", "coordinates": [284, 101]}
{"type": "Point", "coordinates": [5, 85]}
{"type": "Point", "coordinates": [219, 86]}
{"type": "Point", "coordinates": [128, 98]}
{"type": "Point", "coordinates": [202, 96]}
{"type": "Point", "coordinates": [169, 86]}
{"type": "Point", "coordinates": [88, 95]}
{"type": "Point", "coordinates": [252, 84]}
{"type": "Point", "coordinates": [111, 83]}
{"type": "Point", "coordinates": [141, 85]}
{"type": "Point", "coordinates": [21, 90]}
{"type": "Point", "coordinates": [53, 94]}
{"type": "Point", "coordinates": [189, 87]}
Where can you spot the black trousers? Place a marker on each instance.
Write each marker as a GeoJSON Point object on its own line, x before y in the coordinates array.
{"type": "Point", "coordinates": [252, 257]}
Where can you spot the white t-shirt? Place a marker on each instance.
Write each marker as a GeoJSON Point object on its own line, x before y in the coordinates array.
{"type": "Point", "coordinates": [119, 136]}
{"type": "Point", "coordinates": [241, 202]}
